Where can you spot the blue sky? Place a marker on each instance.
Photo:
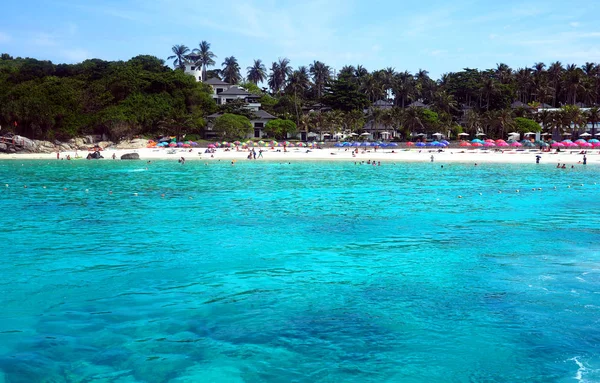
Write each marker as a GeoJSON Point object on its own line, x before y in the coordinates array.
{"type": "Point", "coordinates": [439, 36]}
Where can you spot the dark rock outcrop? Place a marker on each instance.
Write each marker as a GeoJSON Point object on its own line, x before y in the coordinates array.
{"type": "Point", "coordinates": [130, 156]}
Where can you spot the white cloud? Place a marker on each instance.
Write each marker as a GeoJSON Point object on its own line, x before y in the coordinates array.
{"type": "Point", "coordinates": [4, 37]}
{"type": "Point", "coordinates": [493, 36]}
{"type": "Point", "coordinates": [574, 24]}
{"type": "Point", "coordinates": [75, 55]}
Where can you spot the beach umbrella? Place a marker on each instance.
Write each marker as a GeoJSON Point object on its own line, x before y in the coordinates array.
{"type": "Point", "coordinates": [338, 145]}
{"type": "Point", "coordinates": [273, 143]}
{"type": "Point", "coordinates": [567, 141]}
{"type": "Point", "coordinates": [558, 145]}
{"type": "Point", "coordinates": [489, 140]}
{"type": "Point", "coordinates": [261, 142]}
{"type": "Point", "coordinates": [420, 144]}
{"type": "Point", "coordinates": [596, 144]}
{"type": "Point", "coordinates": [172, 145]}
{"type": "Point", "coordinates": [489, 144]}
{"type": "Point", "coordinates": [186, 145]}
{"type": "Point", "coordinates": [476, 141]}
{"type": "Point", "coordinates": [383, 144]}
{"type": "Point", "coordinates": [193, 143]}
{"type": "Point", "coordinates": [516, 144]}
{"type": "Point", "coordinates": [237, 143]}
{"type": "Point", "coordinates": [465, 143]}
{"type": "Point", "coordinates": [302, 144]}
{"type": "Point", "coordinates": [445, 142]}
{"type": "Point", "coordinates": [502, 144]}
{"type": "Point", "coordinates": [528, 144]}
{"type": "Point", "coordinates": [409, 143]}
{"type": "Point", "coordinates": [211, 146]}
{"type": "Point", "coordinates": [355, 144]}
{"type": "Point", "coordinates": [477, 144]}
{"type": "Point", "coordinates": [292, 145]}
{"type": "Point", "coordinates": [365, 143]}
{"type": "Point", "coordinates": [393, 144]}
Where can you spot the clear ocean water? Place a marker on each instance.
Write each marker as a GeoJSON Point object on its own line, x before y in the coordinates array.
{"type": "Point", "coordinates": [300, 272]}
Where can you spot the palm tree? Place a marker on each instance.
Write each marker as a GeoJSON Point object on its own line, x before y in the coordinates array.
{"type": "Point", "coordinates": [179, 54]}
{"type": "Point", "coordinates": [231, 70]}
{"type": "Point", "coordinates": [488, 87]}
{"type": "Point", "coordinates": [554, 74]}
{"type": "Point", "coordinates": [572, 82]}
{"type": "Point", "coordinates": [403, 87]}
{"type": "Point", "coordinates": [321, 74]}
{"type": "Point", "coordinates": [412, 120]}
{"type": "Point", "coordinates": [593, 117]}
{"type": "Point", "coordinates": [503, 73]}
{"type": "Point", "coordinates": [203, 57]}
{"type": "Point", "coordinates": [298, 83]}
{"type": "Point", "coordinates": [257, 72]}
{"type": "Point", "coordinates": [473, 121]}
{"type": "Point", "coordinates": [523, 78]}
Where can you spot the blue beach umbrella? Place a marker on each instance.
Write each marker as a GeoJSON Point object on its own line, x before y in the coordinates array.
{"type": "Point", "coordinates": [366, 143]}
{"type": "Point", "coordinates": [420, 144]}
{"type": "Point", "coordinates": [345, 144]}
{"type": "Point", "coordinates": [339, 145]}
{"type": "Point", "coordinates": [445, 142]}
{"type": "Point", "coordinates": [393, 144]}
{"type": "Point", "coordinates": [356, 144]}
{"type": "Point", "coordinates": [383, 144]}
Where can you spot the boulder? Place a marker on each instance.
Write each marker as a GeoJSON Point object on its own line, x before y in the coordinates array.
{"type": "Point", "coordinates": [137, 143]}
{"type": "Point", "coordinates": [130, 156]}
{"type": "Point", "coordinates": [3, 147]}
{"type": "Point", "coordinates": [105, 144]}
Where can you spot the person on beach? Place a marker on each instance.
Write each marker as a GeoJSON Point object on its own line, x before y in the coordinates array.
{"type": "Point", "coordinates": [584, 160]}
{"type": "Point", "coordinates": [114, 156]}
{"type": "Point", "coordinates": [563, 166]}
{"type": "Point", "coordinates": [432, 158]}
{"type": "Point", "coordinates": [182, 160]}
{"type": "Point", "coordinates": [558, 165]}
{"type": "Point", "coordinates": [260, 152]}
{"type": "Point", "coordinates": [58, 155]}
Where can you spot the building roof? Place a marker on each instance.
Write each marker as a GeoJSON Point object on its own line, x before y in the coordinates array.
{"type": "Point", "coordinates": [216, 81]}
{"type": "Point", "coordinates": [237, 91]}
{"type": "Point", "coordinates": [382, 103]}
{"type": "Point", "coordinates": [519, 104]}
{"type": "Point", "coordinates": [259, 115]}
{"type": "Point", "coordinates": [417, 104]}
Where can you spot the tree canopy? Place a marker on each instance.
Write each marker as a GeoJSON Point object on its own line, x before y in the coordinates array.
{"type": "Point", "coordinates": [232, 126]}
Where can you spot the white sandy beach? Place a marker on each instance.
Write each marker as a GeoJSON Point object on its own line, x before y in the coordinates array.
{"type": "Point", "coordinates": [569, 157]}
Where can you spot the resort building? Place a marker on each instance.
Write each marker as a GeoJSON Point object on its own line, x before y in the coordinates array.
{"type": "Point", "coordinates": [224, 93]}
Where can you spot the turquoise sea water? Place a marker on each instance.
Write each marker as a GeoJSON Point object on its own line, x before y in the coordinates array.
{"type": "Point", "coordinates": [301, 272]}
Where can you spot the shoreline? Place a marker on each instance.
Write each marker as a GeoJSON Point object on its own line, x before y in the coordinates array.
{"type": "Point", "coordinates": [569, 157]}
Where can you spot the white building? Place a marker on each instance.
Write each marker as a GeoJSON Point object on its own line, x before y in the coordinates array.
{"type": "Point", "coordinates": [224, 92]}
{"type": "Point", "coordinates": [193, 70]}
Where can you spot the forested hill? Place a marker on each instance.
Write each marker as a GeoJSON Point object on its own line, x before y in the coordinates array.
{"type": "Point", "coordinates": [41, 100]}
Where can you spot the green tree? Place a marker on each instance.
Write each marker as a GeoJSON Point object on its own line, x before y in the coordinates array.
{"type": "Point", "coordinates": [232, 126]}
{"type": "Point", "coordinates": [345, 96]}
{"type": "Point", "coordinates": [524, 125]}
{"type": "Point", "coordinates": [281, 129]}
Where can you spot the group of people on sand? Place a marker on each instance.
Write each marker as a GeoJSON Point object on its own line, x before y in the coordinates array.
{"type": "Point", "coordinates": [252, 154]}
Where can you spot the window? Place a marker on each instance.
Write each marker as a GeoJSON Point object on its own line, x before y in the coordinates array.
{"type": "Point", "coordinates": [256, 133]}
{"type": "Point", "coordinates": [193, 68]}
{"type": "Point", "coordinates": [259, 125]}
{"type": "Point", "coordinates": [219, 90]}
